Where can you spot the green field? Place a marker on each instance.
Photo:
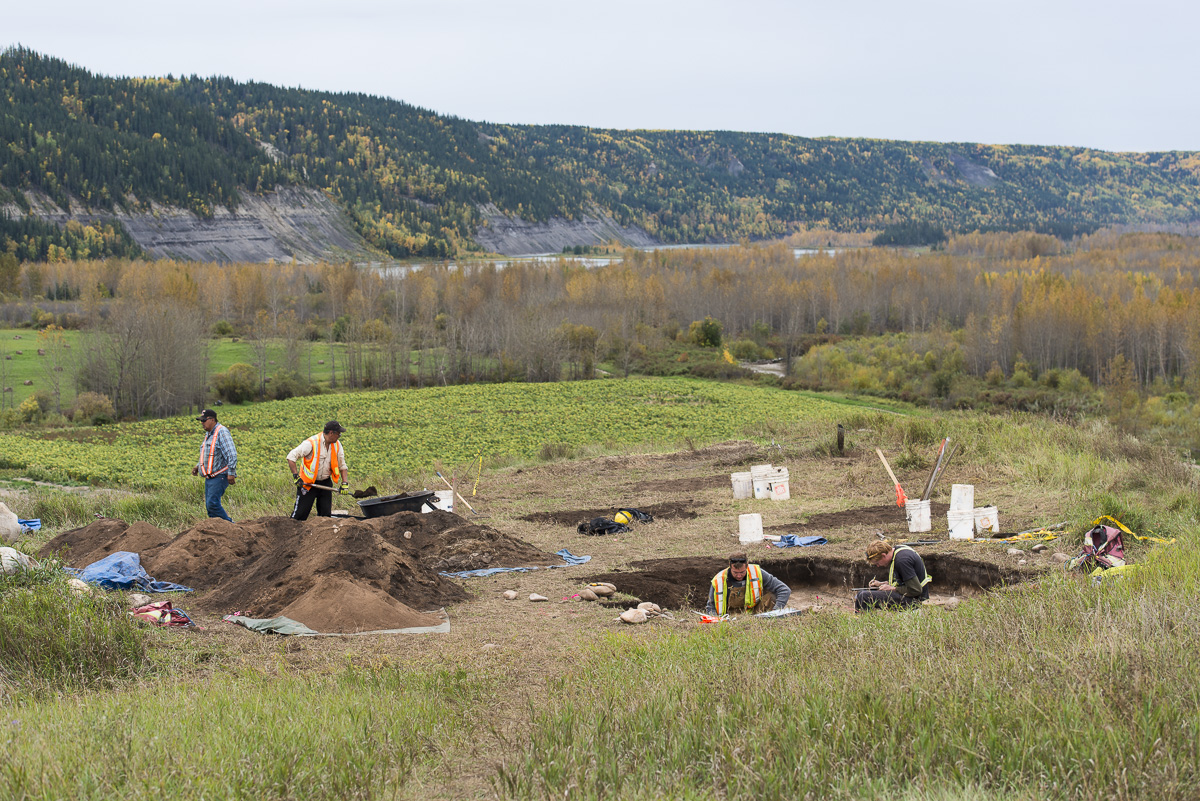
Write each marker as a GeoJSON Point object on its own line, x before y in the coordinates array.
{"type": "Point", "coordinates": [405, 431]}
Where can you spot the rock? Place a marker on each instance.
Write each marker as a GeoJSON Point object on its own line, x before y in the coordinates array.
{"type": "Point", "coordinates": [320, 361]}
{"type": "Point", "coordinates": [490, 646]}
{"type": "Point", "coordinates": [533, 596]}
{"type": "Point", "coordinates": [1015, 552]}
{"type": "Point", "coordinates": [1041, 546]}
{"type": "Point", "coordinates": [28, 382]}
{"type": "Point", "coordinates": [510, 595]}
{"type": "Point", "coordinates": [650, 608]}
{"type": "Point", "coordinates": [408, 535]}
{"type": "Point", "coordinates": [41, 352]}
{"type": "Point", "coordinates": [1021, 562]}
{"type": "Point", "coordinates": [80, 587]}
{"type": "Point", "coordinates": [10, 527]}
{"type": "Point", "coordinates": [18, 352]}
{"type": "Point", "coordinates": [13, 561]}
{"type": "Point", "coordinates": [602, 590]}
{"type": "Point", "coordinates": [137, 599]}
{"type": "Point", "coordinates": [634, 616]}
{"type": "Point", "coordinates": [1060, 557]}
{"type": "Point", "coordinates": [586, 594]}
{"type": "Point", "coordinates": [16, 336]}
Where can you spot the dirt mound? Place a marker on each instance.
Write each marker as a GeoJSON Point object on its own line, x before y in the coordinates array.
{"type": "Point", "coordinates": [82, 546]}
{"type": "Point", "coordinates": [341, 603]}
{"type": "Point", "coordinates": [684, 510]}
{"type": "Point", "coordinates": [273, 564]}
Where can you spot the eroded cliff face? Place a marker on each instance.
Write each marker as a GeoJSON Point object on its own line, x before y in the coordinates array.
{"type": "Point", "coordinates": [291, 224]}
{"type": "Point", "coordinates": [303, 225]}
{"type": "Point", "coordinates": [513, 236]}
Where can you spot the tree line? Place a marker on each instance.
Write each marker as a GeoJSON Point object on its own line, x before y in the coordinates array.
{"type": "Point", "coordinates": [414, 181]}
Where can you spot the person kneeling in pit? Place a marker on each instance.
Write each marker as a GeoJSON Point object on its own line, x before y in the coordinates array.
{"type": "Point", "coordinates": [908, 581]}
{"type": "Point", "coordinates": [744, 586]}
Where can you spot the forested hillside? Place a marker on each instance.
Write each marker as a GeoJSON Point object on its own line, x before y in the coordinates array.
{"type": "Point", "coordinates": [414, 180]}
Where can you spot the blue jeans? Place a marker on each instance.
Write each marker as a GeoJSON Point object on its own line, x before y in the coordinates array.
{"type": "Point", "coordinates": [214, 488]}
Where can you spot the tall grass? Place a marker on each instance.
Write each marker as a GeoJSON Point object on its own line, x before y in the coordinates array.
{"type": "Point", "coordinates": [53, 640]}
{"type": "Point", "coordinates": [358, 734]}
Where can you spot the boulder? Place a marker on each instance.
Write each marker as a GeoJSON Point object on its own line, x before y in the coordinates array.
{"type": "Point", "coordinates": [650, 608]}
{"type": "Point", "coordinates": [10, 529]}
{"type": "Point", "coordinates": [634, 616]}
{"type": "Point", "coordinates": [80, 587]}
{"type": "Point", "coordinates": [13, 561]}
{"type": "Point", "coordinates": [510, 595]}
{"type": "Point", "coordinates": [1041, 546]}
{"type": "Point", "coordinates": [137, 599]}
{"type": "Point", "coordinates": [586, 594]}
{"type": "Point", "coordinates": [602, 590]}
{"type": "Point", "coordinates": [533, 596]}
{"type": "Point", "coordinates": [1015, 552]}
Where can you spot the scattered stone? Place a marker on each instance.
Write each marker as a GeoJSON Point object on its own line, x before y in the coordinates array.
{"type": "Point", "coordinates": [137, 599]}
{"type": "Point", "coordinates": [18, 352]}
{"type": "Point", "coordinates": [29, 382]}
{"type": "Point", "coordinates": [1060, 557]}
{"type": "Point", "coordinates": [1015, 552]}
{"type": "Point", "coordinates": [603, 590]}
{"type": "Point", "coordinates": [650, 608]}
{"type": "Point", "coordinates": [490, 646]}
{"type": "Point", "coordinates": [408, 535]}
{"type": "Point", "coordinates": [16, 336]}
{"type": "Point", "coordinates": [1041, 546]}
{"type": "Point", "coordinates": [533, 596]}
{"type": "Point", "coordinates": [320, 361]}
{"type": "Point", "coordinates": [8, 389]}
{"type": "Point", "coordinates": [510, 595]}
{"type": "Point", "coordinates": [634, 616]}
{"type": "Point", "coordinates": [586, 594]}
{"type": "Point", "coordinates": [1021, 562]}
{"type": "Point", "coordinates": [41, 352]}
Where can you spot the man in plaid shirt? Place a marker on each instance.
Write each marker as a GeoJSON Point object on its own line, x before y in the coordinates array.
{"type": "Point", "coordinates": [218, 463]}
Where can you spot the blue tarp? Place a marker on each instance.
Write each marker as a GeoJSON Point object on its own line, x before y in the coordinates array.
{"type": "Point", "coordinates": [29, 526]}
{"type": "Point", "coordinates": [123, 571]}
{"type": "Point", "coordinates": [568, 557]}
{"type": "Point", "coordinates": [796, 541]}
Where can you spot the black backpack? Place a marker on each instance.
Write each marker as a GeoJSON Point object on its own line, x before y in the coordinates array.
{"type": "Point", "coordinates": [599, 526]}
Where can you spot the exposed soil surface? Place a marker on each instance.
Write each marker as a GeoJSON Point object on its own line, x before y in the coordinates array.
{"type": "Point", "coordinates": [685, 510]}
{"type": "Point", "coordinates": [885, 515]}
{"type": "Point", "coordinates": [332, 574]}
{"type": "Point", "coordinates": [682, 484]}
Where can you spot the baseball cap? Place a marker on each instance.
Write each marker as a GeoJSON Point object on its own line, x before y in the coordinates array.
{"type": "Point", "coordinates": [334, 425]}
{"type": "Point", "coordinates": [206, 414]}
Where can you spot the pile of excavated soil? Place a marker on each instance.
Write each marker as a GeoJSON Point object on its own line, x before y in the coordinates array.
{"type": "Point", "coordinates": [335, 575]}
{"type": "Point", "coordinates": [659, 511]}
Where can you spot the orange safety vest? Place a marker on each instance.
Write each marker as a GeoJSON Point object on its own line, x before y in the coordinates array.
{"type": "Point", "coordinates": [310, 463]}
{"type": "Point", "coordinates": [212, 453]}
{"type": "Point", "coordinates": [720, 584]}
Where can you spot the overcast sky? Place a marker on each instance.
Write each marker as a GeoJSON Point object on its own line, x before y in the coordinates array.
{"type": "Point", "coordinates": [1108, 75]}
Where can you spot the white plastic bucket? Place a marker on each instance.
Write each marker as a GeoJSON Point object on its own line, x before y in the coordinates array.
{"type": "Point", "coordinates": [743, 486]}
{"type": "Point", "coordinates": [445, 501]}
{"type": "Point", "coordinates": [750, 528]}
{"type": "Point", "coordinates": [987, 521]}
{"type": "Point", "coordinates": [780, 491]}
{"type": "Point", "coordinates": [962, 498]}
{"type": "Point", "coordinates": [762, 486]}
{"type": "Point", "coordinates": [917, 513]}
{"type": "Point", "coordinates": [962, 524]}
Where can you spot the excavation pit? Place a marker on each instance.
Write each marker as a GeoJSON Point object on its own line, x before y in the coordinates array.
{"type": "Point", "coordinates": [682, 583]}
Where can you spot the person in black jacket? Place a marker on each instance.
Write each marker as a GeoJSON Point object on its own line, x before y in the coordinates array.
{"type": "Point", "coordinates": [908, 580]}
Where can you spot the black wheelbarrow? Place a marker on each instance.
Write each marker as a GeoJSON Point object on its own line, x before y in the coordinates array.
{"type": "Point", "coordinates": [404, 502]}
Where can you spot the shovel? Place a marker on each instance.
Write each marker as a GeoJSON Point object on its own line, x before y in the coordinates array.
{"type": "Point", "coordinates": [901, 498]}
{"type": "Point", "coordinates": [460, 497]}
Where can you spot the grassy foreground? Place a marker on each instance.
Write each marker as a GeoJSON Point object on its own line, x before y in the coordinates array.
{"type": "Point", "coordinates": [1057, 689]}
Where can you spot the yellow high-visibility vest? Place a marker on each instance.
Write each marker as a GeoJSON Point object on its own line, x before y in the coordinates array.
{"type": "Point", "coordinates": [720, 585]}
{"type": "Point", "coordinates": [892, 568]}
{"type": "Point", "coordinates": [310, 463]}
